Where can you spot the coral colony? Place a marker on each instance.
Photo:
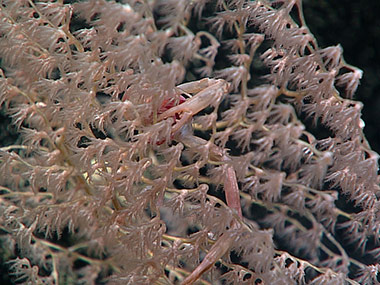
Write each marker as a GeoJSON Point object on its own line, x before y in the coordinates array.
{"type": "Point", "coordinates": [181, 142]}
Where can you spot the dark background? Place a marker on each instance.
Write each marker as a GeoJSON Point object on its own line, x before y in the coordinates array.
{"type": "Point", "coordinates": [355, 25]}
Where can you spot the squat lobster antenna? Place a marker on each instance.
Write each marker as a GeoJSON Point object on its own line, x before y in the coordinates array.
{"type": "Point", "coordinates": [222, 245]}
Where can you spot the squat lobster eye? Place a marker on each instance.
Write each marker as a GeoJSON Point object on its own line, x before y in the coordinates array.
{"type": "Point", "coordinates": [170, 103]}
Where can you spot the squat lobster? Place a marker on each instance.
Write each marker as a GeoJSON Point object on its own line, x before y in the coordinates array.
{"type": "Point", "coordinates": [207, 92]}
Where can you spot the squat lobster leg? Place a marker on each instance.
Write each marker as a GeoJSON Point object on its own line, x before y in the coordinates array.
{"type": "Point", "coordinates": [221, 246]}
{"type": "Point", "coordinates": [231, 190]}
